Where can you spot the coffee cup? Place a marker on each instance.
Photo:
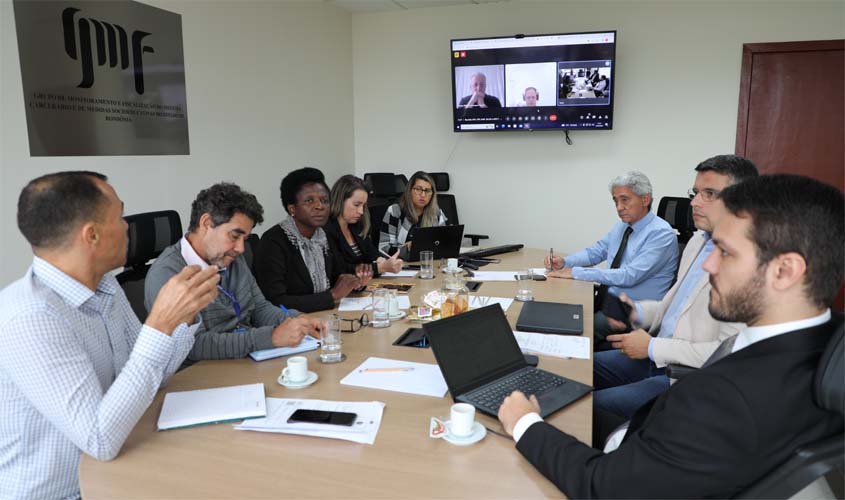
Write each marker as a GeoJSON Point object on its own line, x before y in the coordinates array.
{"type": "Point", "coordinates": [297, 370]}
{"type": "Point", "coordinates": [393, 307]}
{"type": "Point", "coordinates": [461, 420]}
{"type": "Point", "coordinates": [452, 264]}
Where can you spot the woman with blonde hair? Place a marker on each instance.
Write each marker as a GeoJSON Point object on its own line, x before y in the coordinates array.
{"type": "Point", "coordinates": [416, 208]}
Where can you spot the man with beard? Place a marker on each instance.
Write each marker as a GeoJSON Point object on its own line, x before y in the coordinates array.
{"type": "Point", "coordinates": [777, 265]}
{"type": "Point", "coordinates": [240, 320]}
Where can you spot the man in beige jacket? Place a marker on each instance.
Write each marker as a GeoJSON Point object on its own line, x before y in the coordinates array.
{"type": "Point", "coordinates": [679, 328]}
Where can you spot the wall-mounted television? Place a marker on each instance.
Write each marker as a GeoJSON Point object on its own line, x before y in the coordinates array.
{"type": "Point", "coordinates": [534, 82]}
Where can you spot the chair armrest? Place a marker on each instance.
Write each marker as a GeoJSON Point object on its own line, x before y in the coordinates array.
{"type": "Point", "coordinates": [678, 371]}
{"type": "Point", "coordinates": [474, 238]}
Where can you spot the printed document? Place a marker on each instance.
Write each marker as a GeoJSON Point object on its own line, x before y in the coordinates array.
{"type": "Point", "coordinates": [558, 346]}
{"type": "Point", "coordinates": [212, 406]}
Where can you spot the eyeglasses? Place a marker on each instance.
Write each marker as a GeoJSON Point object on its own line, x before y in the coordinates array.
{"type": "Point", "coordinates": [353, 325]}
{"type": "Point", "coordinates": [423, 191]}
{"type": "Point", "coordinates": [706, 194]}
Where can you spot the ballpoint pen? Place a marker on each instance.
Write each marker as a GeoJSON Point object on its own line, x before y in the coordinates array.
{"type": "Point", "coordinates": [551, 258]}
{"type": "Point", "coordinates": [387, 370]}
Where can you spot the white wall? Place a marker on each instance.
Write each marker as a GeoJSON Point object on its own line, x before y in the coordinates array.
{"type": "Point", "coordinates": [676, 86]}
{"type": "Point", "coordinates": [269, 90]}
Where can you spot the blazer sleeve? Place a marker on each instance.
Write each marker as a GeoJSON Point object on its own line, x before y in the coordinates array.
{"type": "Point", "coordinates": [685, 352]}
{"type": "Point", "coordinates": [699, 443]}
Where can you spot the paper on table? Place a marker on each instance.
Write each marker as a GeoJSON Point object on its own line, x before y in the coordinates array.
{"type": "Point", "coordinates": [400, 274]}
{"type": "Point", "coordinates": [212, 406]}
{"type": "Point", "coordinates": [361, 303]}
{"type": "Point", "coordinates": [494, 275]}
{"type": "Point", "coordinates": [308, 343]}
{"type": "Point", "coordinates": [425, 379]}
{"type": "Point", "coordinates": [280, 409]}
{"type": "Point", "coordinates": [539, 270]}
{"type": "Point", "coordinates": [559, 346]}
{"type": "Point", "coordinates": [481, 301]}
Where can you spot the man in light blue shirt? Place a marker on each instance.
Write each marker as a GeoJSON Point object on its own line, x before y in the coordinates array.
{"type": "Point", "coordinates": [77, 369]}
{"type": "Point", "coordinates": [641, 251]}
{"type": "Point", "coordinates": [679, 329]}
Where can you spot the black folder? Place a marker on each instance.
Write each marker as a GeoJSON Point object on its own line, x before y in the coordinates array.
{"type": "Point", "coordinates": [551, 317]}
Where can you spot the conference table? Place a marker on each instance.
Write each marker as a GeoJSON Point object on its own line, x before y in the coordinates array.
{"type": "Point", "coordinates": [216, 461]}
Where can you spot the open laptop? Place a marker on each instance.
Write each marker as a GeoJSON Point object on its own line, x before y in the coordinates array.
{"type": "Point", "coordinates": [551, 317]}
{"type": "Point", "coordinates": [482, 364]}
{"type": "Point", "coordinates": [444, 241]}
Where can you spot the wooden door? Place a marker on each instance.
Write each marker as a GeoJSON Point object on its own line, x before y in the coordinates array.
{"type": "Point", "coordinates": [792, 110]}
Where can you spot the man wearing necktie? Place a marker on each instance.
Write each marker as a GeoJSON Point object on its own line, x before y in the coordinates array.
{"type": "Point", "coordinates": [642, 250]}
{"type": "Point", "coordinates": [679, 327]}
{"type": "Point", "coordinates": [777, 264]}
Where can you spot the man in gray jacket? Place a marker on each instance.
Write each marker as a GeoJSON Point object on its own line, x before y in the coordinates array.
{"type": "Point", "coordinates": [240, 320]}
{"type": "Point", "coordinates": [679, 328]}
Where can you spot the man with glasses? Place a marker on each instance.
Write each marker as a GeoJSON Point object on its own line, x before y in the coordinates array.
{"type": "Point", "coordinates": [240, 320]}
{"type": "Point", "coordinates": [679, 328]}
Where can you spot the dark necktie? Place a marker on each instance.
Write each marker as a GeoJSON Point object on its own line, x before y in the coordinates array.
{"type": "Point", "coordinates": [723, 350]}
{"type": "Point", "coordinates": [617, 260]}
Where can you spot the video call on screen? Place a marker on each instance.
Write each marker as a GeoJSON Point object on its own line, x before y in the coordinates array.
{"type": "Point", "coordinates": [562, 87]}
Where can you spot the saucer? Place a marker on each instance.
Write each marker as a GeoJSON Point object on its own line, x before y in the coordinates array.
{"type": "Point", "coordinates": [399, 315]}
{"type": "Point", "coordinates": [478, 433]}
{"type": "Point", "coordinates": [312, 377]}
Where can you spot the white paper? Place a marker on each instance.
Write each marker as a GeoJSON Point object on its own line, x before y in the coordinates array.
{"type": "Point", "coordinates": [494, 275]}
{"type": "Point", "coordinates": [476, 301]}
{"type": "Point", "coordinates": [208, 406]}
{"type": "Point", "coordinates": [401, 274]}
{"type": "Point", "coordinates": [424, 379]}
{"type": "Point", "coordinates": [539, 271]}
{"type": "Point", "coordinates": [362, 303]}
{"type": "Point", "coordinates": [468, 249]}
{"type": "Point", "coordinates": [308, 343]}
{"type": "Point", "coordinates": [280, 409]}
{"type": "Point", "coordinates": [558, 346]}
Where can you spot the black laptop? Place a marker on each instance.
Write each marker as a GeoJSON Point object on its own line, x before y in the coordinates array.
{"type": "Point", "coordinates": [482, 364]}
{"type": "Point", "coordinates": [551, 317]}
{"type": "Point", "coordinates": [444, 241]}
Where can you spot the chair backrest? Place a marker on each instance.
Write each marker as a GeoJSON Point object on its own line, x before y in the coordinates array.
{"type": "Point", "coordinates": [385, 185]}
{"type": "Point", "coordinates": [250, 247]}
{"type": "Point", "coordinates": [441, 181]}
{"type": "Point", "coordinates": [678, 213]}
{"type": "Point", "coordinates": [447, 203]}
{"type": "Point", "coordinates": [149, 234]}
{"type": "Point", "coordinates": [821, 457]}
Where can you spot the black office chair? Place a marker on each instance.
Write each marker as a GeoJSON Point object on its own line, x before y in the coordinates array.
{"type": "Point", "coordinates": [446, 201]}
{"type": "Point", "coordinates": [384, 189]}
{"type": "Point", "coordinates": [149, 234]}
{"type": "Point", "coordinates": [678, 213]}
{"type": "Point", "coordinates": [250, 247]}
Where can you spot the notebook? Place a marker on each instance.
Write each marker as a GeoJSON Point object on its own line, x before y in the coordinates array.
{"type": "Point", "coordinates": [482, 363]}
{"type": "Point", "coordinates": [551, 317]}
{"type": "Point", "coordinates": [308, 343]}
{"type": "Point", "coordinates": [444, 241]}
{"type": "Point", "coordinates": [212, 406]}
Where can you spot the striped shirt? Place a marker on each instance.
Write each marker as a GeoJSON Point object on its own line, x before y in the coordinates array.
{"type": "Point", "coordinates": [395, 228]}
{"type": "Point", "coordinates": [77, 371]}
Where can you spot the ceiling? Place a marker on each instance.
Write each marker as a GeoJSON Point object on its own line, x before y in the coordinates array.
{"type": "Point", "coordinates": [359, 6]}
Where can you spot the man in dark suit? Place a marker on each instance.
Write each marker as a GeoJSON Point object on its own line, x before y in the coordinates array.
{"type": "Point", "coordinates": [778, 263]}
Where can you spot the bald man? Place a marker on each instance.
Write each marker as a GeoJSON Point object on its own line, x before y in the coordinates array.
{"type": "Point", "coordinates": [479, 98]}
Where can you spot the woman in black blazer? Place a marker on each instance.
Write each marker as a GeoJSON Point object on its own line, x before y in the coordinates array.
{"type": "Point", "coordinates": [349, 227]}
{"type": "Point", "coordinates": [294, 266]}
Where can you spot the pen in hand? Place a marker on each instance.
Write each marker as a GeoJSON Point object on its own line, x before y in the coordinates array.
{"type": "Point", "coordinates": [551, 258]}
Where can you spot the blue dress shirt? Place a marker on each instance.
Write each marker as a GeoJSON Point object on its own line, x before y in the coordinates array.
{"type": "Point", "coordinates": [648, 265]}
{"type": "Point", "coordinates": [77, 371]}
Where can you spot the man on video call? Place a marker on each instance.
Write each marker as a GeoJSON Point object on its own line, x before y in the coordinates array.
{"type": "Point", "coordinates": [478, 98]}
{"type": "Point", "coordinates": [530, 97]}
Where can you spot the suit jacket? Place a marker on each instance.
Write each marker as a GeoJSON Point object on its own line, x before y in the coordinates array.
{"type": "Point", "coordinates": [283, 276]}
{"type": "Point", "coordinates": [711, 435]}
{"type": "Point", "coordinates": [696, 333]}
{"type": "Point", "coordinates": [345, 259]}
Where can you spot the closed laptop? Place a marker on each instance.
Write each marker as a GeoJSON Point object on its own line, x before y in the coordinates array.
{"type": "Point", "coordinates": [551, 317]}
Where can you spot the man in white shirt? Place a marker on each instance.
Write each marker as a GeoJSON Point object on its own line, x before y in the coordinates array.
{"type": "Point", "coordinates": [777, 265]}
{"type": "Point", "coordinates": [77, 369]}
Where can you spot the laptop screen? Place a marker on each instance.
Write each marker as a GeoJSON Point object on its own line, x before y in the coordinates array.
{"type": "Point", "coordinates": [474, 348]}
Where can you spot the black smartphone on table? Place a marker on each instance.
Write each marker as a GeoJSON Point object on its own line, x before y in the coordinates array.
{"type": "Point", "coordinates": [323, 417]}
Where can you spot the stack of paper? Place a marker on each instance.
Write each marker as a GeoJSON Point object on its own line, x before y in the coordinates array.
{"type": "Point", "coordinates": [212, 406]}
{"type": "Point", "coordinates": [362, 303]}
{"type": "Point", "coordinates": [279, 410]}
{"type": "Point", "coordinates": [559, 346]}
{"type": "Point", "coordinates": [308, 343]}
{"type": "Point", "coordinates": [398, 376]}
{"type": "Point", "coordinates": [405, 273]}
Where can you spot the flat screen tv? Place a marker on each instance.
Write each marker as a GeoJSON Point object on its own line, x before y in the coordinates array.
{"type": "Point", "coordinates": [534, 82]}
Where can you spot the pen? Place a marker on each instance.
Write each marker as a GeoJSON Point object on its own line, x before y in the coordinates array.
{"type": "Point", "coordinates": [551, 258]}
{"type": "Point", "coordinates": [284, 309]}
{"type": "Point", "coordinates": [384, 253]}
{"type": "Point", "coordinates": [387, 370]}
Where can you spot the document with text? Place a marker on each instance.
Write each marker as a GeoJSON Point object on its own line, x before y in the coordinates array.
{"type": "Point", "coordinates": [558, 346]}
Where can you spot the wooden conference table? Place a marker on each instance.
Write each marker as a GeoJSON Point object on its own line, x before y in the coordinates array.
{"type": "Point", "coordinates": [216, 461]}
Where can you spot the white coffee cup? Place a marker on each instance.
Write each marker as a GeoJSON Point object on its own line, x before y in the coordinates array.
{"type": "Point", "coordinates": [393, 307]}
{"type": "Point", "coordinates": [462, 418]}
{"type": "Point", "coordinates": [452, 264]}
{"type": "Point", "coordinates": [297, 370]}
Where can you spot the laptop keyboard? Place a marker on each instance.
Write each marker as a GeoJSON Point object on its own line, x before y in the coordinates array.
{"type": "Point", "coordinates": [531, 381]}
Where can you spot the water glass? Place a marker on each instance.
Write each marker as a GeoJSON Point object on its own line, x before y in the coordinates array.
{"type": "Point", "coordinates": [427, 264]}
{"type": "Point", "coordinates": [524, 290]}
{"type": "Point", "coordinates": [381, 308]}
{"type": "Point", "coordinates": [331, 342]}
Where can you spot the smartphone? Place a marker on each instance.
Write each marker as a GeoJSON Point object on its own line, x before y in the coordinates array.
{"type": "Point", "coordinates": [323, 417]}
{"type": "Point", "coordinates": [613, 307]}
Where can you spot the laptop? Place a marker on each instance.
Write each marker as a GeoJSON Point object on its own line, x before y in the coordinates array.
{"type": "Point", "coordinates": [551, 317]}
{"type": "Point", "coordinates": [444, 241]}
{"type": "Point", "coordinates": [482, 364]}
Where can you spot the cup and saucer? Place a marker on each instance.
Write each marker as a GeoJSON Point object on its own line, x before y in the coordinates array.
{"type": "Point", "coordinates": [477, 434]}
{"type": "Point", "coordinates": [310, 379]}
{"type": "Point", "coordinates": [398, 315]}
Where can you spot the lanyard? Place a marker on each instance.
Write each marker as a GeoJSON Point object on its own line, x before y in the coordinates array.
{"type": "Point", "coordinates": [231, 296]}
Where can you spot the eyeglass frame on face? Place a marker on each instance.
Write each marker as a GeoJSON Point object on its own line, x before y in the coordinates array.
{"type": "Point", "coordinates": [363, 321]}
{"type": "Point", "coordinates": [422, 190]}
{"type": "Point", "coordinates": [707, 194]}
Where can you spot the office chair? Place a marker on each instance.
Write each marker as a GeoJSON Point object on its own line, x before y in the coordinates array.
{"type": "Point", "coordinates": [678, 213]}
{"type": "Point", "coordinates": [384, 189]}
{"type": "Point", "coordinates": [250, 247]}
{"type": "Point", "coordinates": [149, 234]}
{"type": "Point", "coordinates": [446, 201]}
{"type": "Point", "coordinates": [816, 459]}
